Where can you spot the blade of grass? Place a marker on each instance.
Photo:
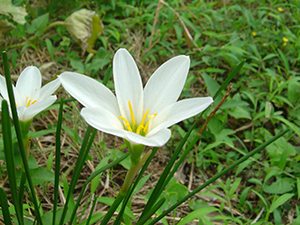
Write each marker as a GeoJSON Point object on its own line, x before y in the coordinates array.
{"type": "Point", "coordinates": [91, 212]}
{"type": "Point", "coordinates": [164, 179]}
{"type": "Point", "coordinates": [112, 209]}
{"type": "Point", "coordinates": [21, 189]}
{"type": "Point", "coordinates": [242, 159]}
{"type": "Point", "coordinates": [9, 157]}
{"type": "Point", "coordinates": [229, 78]}
{"type": "Point", "coordinates": [57, 158]}
{"type": "Point", "coordinates": [19, 134]}
{"type": "Point", "coordinates": [151, 211]}
{"type": "Point", "coordinates": [4, 207]}
{"type": "Point", "coordinates": [90, 178]}
{"type": "Point", "coordinates": [78, 166]}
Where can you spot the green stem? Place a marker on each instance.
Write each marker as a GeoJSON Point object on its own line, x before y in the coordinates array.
{"type": "Point", "coordinates": [129, 193]}
{"type": "Point", "coordinates": [132, 173]}
{"type": "Point", "coordinates": [56, 23]}
{"type": "Point", "coordinates": [126, 185]}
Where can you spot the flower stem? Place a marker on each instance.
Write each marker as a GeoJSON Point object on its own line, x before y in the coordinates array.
{"type": "Point", "coordinates": [134, 169]}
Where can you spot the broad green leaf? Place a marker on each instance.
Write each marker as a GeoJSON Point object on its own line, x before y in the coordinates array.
{"type": "Point", "coordinates": [291, 125]}
{"type": "Point", "coordinates": [38, 24]}
{"type": "Point", "coordinates": [294, 91]}
{"type": "Point", "coordinates": [178, 190]}
{"type": "Point", "coordinates": [280, 201]}
{"type": "Point", "coordinates": [234, 186]}
{"type": "Point", "coordinates": [196, 214]}
{"type": "Point", "coordinates": [240, 113]}
{"type": "Point", "coordinates": [212, 86]}
{"type": "Point", "coordinates": [50, 48]}
{"type": "Point", "coordinates": [40, 175]}
{"type": "Point", "coordinates": [298, 187]}
{"type": "Point", "coordinates": [280, 186]}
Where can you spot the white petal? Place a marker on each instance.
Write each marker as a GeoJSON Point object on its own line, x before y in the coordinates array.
{"type": "Point", "coordinates": [29, 81]}
{"type": "Point", "coordinates": [47, 90]}
{"type": "Point", "coordinates": [1, 102]}
{"type": "Point", "coordinates": [165, 85]}
{"type": "Point", "coordinates": [89, 92]}
{"type": "Point", "coordinates": [103, 120]}
{"type": "Point", "coordinates": [179, 111]}
{"type": "Point", "coordinates": [36, 108]}
{"type": "Point", "coordinates": [20, 112]}
{"type": "Point", "coordinates": [3, 90]}
{"type": "Point", "coordinates": [20, 100]}
{"type": "Point", "coordinates": [128, 84]}
{"type": "Point", "coordinates": [156, 140]}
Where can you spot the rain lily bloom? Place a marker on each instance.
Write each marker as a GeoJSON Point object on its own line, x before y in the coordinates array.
{"type": "Point", "coordinates": [30, 98]}
{"type": "Point", "coordinates": [139, 115]}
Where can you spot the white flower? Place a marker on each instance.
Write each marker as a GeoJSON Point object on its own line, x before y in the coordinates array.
{"type": "Point", "coordinates": [29, 96]}
{"type": "Point", "coordinates": [139, 115]}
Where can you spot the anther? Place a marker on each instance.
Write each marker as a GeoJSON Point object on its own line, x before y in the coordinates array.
{"type": "Point", "coordinates": [139, 129]}
{"type": "Point", "coordinates": [131, 113]}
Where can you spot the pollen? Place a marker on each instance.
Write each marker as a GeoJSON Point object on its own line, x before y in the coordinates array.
{"type": "Point", "coordinates": [143, 126]}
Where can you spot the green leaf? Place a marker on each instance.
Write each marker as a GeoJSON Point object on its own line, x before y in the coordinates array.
{"type": "Point", "coordinates": [278, 148]}
{"type": "Point", "coordinates": [280, 201]}
{"type": "Point", "coordinates": [294, 91]}
{"type": "Point", "coordinates": [38, 24]}
{"type": "Point", "coordinates": [234, 186]}
{"type": "Point", "coordinates": [280, 186]}
{"type": "Point", "coordinates": [298, 187]}
{"type": "Point", "coordinates": [240, 113]}
{"type": "Point", "coordinates": [50, 48]}
{"type": "Point", "coordinates": [40, 175]}
{"type": "Point", "coordinates": [77, 65]}
{"type": "Point", "coordinates": [95, 182]}
{"type": "Point", "coordinates": [110, 201]}
{"type": "Point", "coordinates": [196, 214]}
{"type": "Point", "coordinates": [295, 128]}
{"type": "Point", "coordinates": [212, 86]}
{"type": "Point", "coordinates": [177, 189]}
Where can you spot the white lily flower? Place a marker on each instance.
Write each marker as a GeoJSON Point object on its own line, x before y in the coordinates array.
{"type": "Point", "coordinates": [139, 115]}
{"type": "Point", "coordinates": [30, 98]}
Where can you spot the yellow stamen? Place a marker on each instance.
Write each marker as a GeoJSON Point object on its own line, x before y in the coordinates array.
{"type": "Point", "coordinates": [132, 114]}
{"type": "Point", "coordinates": [128, 127]}
{"type": "Point", "coordinates": [127, 124]}
{"type": "Point", "coordinates": [132, 127]}
{"type": "Point", "coordinates": [144, 118]}
{"type": "Point", "coordinates": [147, 124]}
{"type": "Point", "coordinates": [139, 129]}
{"type": "Point", "coordinates": [29, 102]}
{"type": "Point", "coordinates": [123, 118]}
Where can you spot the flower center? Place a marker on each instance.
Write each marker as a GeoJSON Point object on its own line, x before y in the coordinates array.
{"type": "Point", "coordinates": [29, 102]}
{"type": "Point", "coordinates": [143, 127]}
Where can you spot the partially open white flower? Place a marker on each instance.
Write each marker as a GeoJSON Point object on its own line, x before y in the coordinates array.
{"type": "Point", "coordinates": [30, 98]}
{"type": "Point", "coordinates": [139, 115]}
